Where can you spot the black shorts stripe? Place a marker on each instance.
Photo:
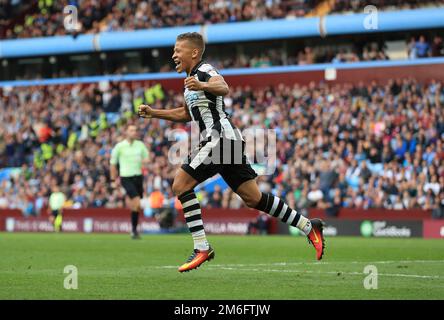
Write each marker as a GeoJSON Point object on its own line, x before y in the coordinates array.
{"type": "Point", "coordinates": [196, 228]}
{"type": "Point", "coordinates": [296, 219]}
{"type": "Point", "coordinates": [286, 215]}
{"type": "Point", "coordinates": [191, 208]}
{"type": "Point", "coordinates": [279, 208]}
{"type": "Point", "coordinates": [193, 218]}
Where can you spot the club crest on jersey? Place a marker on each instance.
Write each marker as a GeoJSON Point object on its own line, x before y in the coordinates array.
{"type": "Point", "coordinates": [190, 97]}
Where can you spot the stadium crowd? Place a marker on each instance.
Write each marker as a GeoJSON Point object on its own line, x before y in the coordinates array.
{"type": "Point", "coordinates": [358, 5]}
{"type": "Point", "coordinates": [123, 15]}
{"type": "Point", "coordinates": [308, 55]}
{"type": "Point", "coordinates": [46, 17]}
{"type": "Point", "coordinates": [354, 146]}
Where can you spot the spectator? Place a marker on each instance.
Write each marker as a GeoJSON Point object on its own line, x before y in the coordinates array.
{"type": "Point", "coordinates": [438, 211]}
{"type": "Point", "coordinates": [156, 201]}
{"type": "Point", "coordinates": [411, 49]}
{"type": "Point", "coordinates": [371, 158]}
{"type": "Point", "coordinates": [433, 185]}
{"type": "Point", "coordinates": [334, 204]}
{"type": "Point", "coordinates": [115, 102]}
{"type": "Point", "coordinates": [422, 48]}
{"type": "Point", "coordinates": [437, 49]}
{"type": "Point", "coordinates": [259, 225]}
{"type": "Point", "coordinates": [215, 198]}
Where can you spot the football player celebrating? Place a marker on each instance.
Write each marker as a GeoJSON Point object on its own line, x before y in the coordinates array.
{"type": "Point", "coordinates": [204, 92]}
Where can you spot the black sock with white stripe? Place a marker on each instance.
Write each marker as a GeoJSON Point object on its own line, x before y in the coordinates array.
{"type": "Point", "coordinates": [193, 218]}
{"type": "Point", "coordinates": [277, 208]}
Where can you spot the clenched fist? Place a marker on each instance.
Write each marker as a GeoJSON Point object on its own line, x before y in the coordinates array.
{"type": "Point", "coordinates": [145, 111]}
{"type": "Point", "coordinates": [191, 83]}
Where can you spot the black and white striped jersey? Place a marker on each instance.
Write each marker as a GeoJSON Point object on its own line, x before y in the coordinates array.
{"type": "Point", "coordinates": [207, 109]}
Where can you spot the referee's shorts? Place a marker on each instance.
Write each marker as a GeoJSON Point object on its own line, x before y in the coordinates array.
{"type": "Point", "coordinates": [220, 155]}
{"type": "Point", "coordinates": [55, 213]}
{"type": "Point", "coordinates": [133, 186]}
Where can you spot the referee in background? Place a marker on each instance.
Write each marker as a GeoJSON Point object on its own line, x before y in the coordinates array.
{"type": "Point", "coordinates": [129, 155]}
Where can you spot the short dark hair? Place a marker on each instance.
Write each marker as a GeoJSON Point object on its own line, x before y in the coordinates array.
{"type": "Point", "coordinates": [195, 38]}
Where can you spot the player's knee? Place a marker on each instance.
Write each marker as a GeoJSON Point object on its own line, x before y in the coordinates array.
{"type": "Point", "coordinates": [182, 183]}
{"type": "Point", "coordinates": [178, 187]}
{"type": "Point", "coordinates": [250, 201]}
{"type": "Point", "coordinates": [136, 204]}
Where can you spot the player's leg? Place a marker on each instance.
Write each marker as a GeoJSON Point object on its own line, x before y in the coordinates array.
{"type": "Point", "coordinates": [183, 187]}
{"type": "Point", "coordinates": [198, 168]}
{"type": "Point", "coordinates": [241, 179]}
{"type": "Point", "coordinates": [51, 218]}
{"type": "Point", "coordinates": [276, 207]}
{"type": "Point", "coordinates": [134, 205]}
{"type": "Point", "coordinates": [132, 202]}
{"type": "Point", "coordinates": [56, 219]}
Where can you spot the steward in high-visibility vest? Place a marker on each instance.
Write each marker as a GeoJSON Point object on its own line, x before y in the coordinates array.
{"type": "Point", "coordinates": [38, 159]}
{"type": "Point", "coordinates": [93, 129]}
{"type": "Point", "coordinates": [47, 151]}
{"type": "Point", "coordinates": [72, 139]}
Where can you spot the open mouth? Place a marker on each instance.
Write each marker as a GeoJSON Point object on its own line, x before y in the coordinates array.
{"type": "Point", "coordinates": [178, 64]}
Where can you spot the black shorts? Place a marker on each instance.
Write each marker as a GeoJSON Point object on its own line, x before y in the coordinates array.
{"type": "Point", "coordinates": [55, 213]}
{"type": "Point", "coordinates": [133, 186]}
{"type": "Point", "coordinates": [219, 155]}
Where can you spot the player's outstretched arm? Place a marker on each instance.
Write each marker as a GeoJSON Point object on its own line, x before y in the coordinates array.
{"type": "Point", "coordinates": [177, 114]}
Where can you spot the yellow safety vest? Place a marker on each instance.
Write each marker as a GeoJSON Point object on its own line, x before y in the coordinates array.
{"type": "Point", "coordinates": [72, 140]}
{"type": "Point", "coordinates": [38, 161]}
{"type": "Point", "coordinates": [47, 151]}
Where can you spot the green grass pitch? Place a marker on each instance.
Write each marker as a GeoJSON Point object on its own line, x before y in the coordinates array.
{"type": "Point", "coordinates": [253, 267]}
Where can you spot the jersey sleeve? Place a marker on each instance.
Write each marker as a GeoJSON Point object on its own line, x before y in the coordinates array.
{"type": "Point", "coordinates": [206, 71]}
{"type": "Point", "coordinates": [114, 155]}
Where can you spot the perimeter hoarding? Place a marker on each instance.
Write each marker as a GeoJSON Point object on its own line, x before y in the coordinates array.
{"type": "Point", "coordinates": [368, 228]}
{"type": "Point", "coordinates": [434, 229]}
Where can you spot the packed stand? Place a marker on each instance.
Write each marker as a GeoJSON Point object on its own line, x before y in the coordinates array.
{"type": "Point", "coordinates": [305, 56]}
{"type": "Point", "coordinates": [353, 146]}
{"type": "Point", "coordinates": [126, 15]}
{"type": "Point", "coordinates": [341, 6]}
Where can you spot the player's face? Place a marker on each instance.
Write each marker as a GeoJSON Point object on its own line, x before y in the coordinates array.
{"type": "Point", "coordinates": [182, 55]}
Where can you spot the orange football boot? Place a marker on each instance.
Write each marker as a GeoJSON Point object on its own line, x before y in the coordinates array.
{"type": "Point", "coordinates": [196, 259]}
{"type": "Point", "coordinates": [316, 237]}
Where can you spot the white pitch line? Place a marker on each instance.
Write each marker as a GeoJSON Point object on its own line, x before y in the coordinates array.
{"type": "Point", "coordinates": [328, 272]}
{"type": "Point", "coordinates": [329, 262]}
{"type": "Point", "coordinates": [314, 263]}
{"type": "Point", "coordinates": [235, 267]}
{"type": "Point", "coordinates": [316, 272]}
